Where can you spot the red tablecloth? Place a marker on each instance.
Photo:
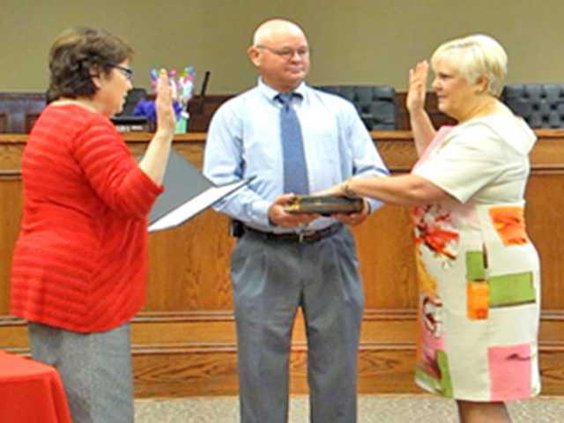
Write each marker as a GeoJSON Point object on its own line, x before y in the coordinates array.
{"type": "Point", "coordinates": [30, 392]}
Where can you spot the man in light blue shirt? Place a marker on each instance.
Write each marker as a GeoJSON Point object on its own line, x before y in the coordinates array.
{"type": "Point", "coordinates": [284, 261]}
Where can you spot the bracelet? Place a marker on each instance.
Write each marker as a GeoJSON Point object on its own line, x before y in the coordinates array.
{"type": "Point", "coordinates": [346, 189]}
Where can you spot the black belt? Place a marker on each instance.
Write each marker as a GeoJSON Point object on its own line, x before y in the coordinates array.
{"type": "Point", "coordinates": [307, 236]}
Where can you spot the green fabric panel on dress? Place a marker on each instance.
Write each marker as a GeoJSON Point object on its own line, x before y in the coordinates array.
{"type": "Point", "coordinates": [428, 380]}
{"type": "Point", "coordinates": [512, 289]}
{"type": "Point", "coordinates": [475, 269]}
{"type": "Point", "coordinates": [446, 382]}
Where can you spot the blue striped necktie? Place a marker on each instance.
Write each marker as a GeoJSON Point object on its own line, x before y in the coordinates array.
{"type": "Point", "coordinates": [295, 168]}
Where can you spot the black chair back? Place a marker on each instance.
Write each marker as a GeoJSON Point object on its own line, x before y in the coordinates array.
{"type": "Point", "coordinates": [133, 97]}
{"type": "Point", "coordinates": [375, 103]}
{"type": "Point", "coordinates": [541, 105]}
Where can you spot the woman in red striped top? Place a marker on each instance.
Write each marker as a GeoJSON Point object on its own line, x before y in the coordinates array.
{"type": "Point", "coordinates": [80, 262]}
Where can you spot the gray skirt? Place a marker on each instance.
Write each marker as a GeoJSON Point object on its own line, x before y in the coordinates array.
{"type": "Point", "coordinates": [95, 369]}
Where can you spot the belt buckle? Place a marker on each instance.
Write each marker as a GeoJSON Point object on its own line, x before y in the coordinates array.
{"type": "Point", "coordinates": [304, 234]}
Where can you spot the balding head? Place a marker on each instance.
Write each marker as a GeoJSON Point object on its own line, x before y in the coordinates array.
{"type": "Point", "coordinates": [280, 52]}
{"type": "Point", "coordinates": [273, 29]}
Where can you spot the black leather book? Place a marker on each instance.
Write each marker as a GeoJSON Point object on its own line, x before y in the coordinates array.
{"type": "Point", "coordinates": [325, 204]}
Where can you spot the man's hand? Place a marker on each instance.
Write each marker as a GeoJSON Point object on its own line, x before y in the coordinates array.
{"type": "Point", "coordinates": [353, 218]}
{"type": "Point", "coordinates": [280, 217]}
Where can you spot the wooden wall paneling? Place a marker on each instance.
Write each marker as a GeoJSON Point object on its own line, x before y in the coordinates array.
{"type": "Point", "coordinates": [10, 206]}
{"type": "Point", "coordinates": [13, 333]}
{"type": "Point", "coordinates": [185, 372]}
{"type": "Point", "coordinates": [545, 202]}
{"type": "Point", "coordinates": [184, 341]}
{"type": "Point", "coordinates": [551, 370]}
{"type": "Point", "coordinates": [544, 220]}
{"type": "Point", "coordinates": [11, 148]}
{"type": "Point", "coordinates": [168, 368]}
{"type": "Point", "coordinates": [193, 260]}
{"type": "Point", "coordinates": [385, 250]}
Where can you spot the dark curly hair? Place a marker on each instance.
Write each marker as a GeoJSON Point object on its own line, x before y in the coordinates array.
{"type": "Point", "coordinates": [77, 55]}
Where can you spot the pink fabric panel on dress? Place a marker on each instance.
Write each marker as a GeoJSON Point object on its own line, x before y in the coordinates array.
{"type": "Point", "coordinates": [435, 142]}
{"type": "Point", "coordinates": [510, 372]}
{"type": "Point", "coordinates": [432, 339]}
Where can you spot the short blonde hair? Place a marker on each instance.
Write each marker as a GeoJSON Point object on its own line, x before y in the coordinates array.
{"type": "Point", "coordinates": [477, 55]}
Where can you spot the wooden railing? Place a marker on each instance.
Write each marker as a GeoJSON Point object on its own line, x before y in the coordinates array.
{"type": "Point", "coordinates": [184, 340]}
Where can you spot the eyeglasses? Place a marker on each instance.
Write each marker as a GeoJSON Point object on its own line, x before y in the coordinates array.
{"type": "Point", "coordinates": [127, 72]}
{"type": "Point", "coordinates": [286, 52]}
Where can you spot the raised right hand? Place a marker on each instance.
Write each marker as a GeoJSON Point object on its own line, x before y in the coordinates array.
{"type": "Point", "coordinates": [166, 121]}
{"type": "Point", "coordinates": [415, 100]}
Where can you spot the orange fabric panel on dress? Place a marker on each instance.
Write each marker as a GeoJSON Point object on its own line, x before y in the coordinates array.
{"type": "Point", "coordinates": [477, 294]}
{"type": "Point", "coordinates": [427, 283]}
{"type": "Point", "coordinates": [509, 222]}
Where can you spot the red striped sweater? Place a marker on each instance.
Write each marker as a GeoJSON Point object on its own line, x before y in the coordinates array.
{"type": "Point", "coordinates": [80, 261]}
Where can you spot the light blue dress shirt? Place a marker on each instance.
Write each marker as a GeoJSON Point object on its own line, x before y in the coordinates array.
{"type": "Point", "coordinates": [244, 140]}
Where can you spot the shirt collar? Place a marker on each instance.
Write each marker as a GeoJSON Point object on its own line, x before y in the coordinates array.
{"type": "Point", "coordinates": [271, 93]}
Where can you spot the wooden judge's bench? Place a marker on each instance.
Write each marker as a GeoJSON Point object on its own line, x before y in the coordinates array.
{"type": "Point", "coordinates": [184, 340]}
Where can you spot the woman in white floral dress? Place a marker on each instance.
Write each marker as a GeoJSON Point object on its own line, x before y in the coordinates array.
{"type": "Point", "coordinates": [479, 273]}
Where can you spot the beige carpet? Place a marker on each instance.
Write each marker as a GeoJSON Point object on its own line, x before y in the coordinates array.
{"type": "Point", "coordinates": [372, 409]}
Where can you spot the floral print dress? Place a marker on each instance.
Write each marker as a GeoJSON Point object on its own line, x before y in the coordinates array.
{"type": "Point", "coordinates": [479, 273]}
